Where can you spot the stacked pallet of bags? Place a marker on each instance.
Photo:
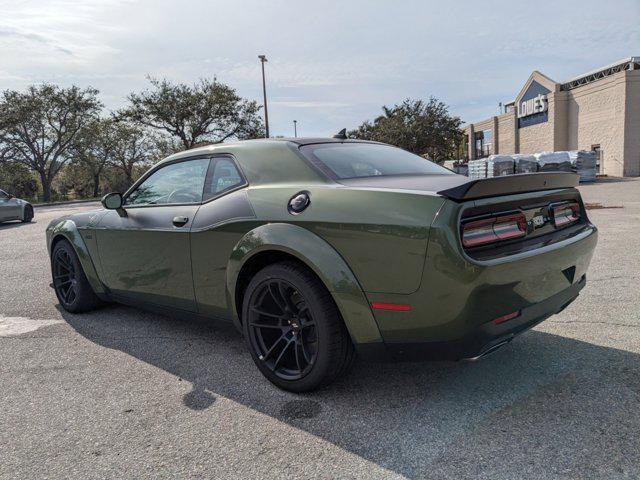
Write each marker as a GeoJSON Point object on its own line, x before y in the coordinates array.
{"type": "Point", "coordinates": [499, 166]}
{"type": "Point", "coordinates": [584, 164]}
{"type": "Point", "coordinates": [478, 168]}
{"type": "Point", "coordinates": [462, 170]}
{"type": "Point", "coordinates": [554, 162]}
{"type": "Point", "coordinates": [524, 163]}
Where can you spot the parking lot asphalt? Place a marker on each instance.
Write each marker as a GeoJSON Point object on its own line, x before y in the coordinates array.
{"type": "Point", "coordinates": [124, 393]}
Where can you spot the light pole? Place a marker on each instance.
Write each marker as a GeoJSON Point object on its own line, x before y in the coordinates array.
{"type": "Point", "coordinates": [295, 129]}
{"type": "Point", "coordinates": [263, 59]}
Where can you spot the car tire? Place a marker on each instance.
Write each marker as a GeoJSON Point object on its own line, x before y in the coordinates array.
{"type": "Point", "coordinates": [27, 215]}
{"type": "Point", "coordinates": [69, 281]}
{"type": "Point", "coordinates": [293, 328]}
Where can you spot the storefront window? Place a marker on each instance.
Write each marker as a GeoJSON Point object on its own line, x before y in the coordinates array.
{"type": "Point", "coordinates": [484, 143]}
{"type": "Point", "coordinates": [596, 148]}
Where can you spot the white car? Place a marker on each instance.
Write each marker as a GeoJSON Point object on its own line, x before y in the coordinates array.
{"type": "Point", "coordinates": [12, 208]}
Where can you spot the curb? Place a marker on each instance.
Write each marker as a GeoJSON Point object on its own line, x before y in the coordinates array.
{"type": "Point", "coordinates": [68, 202]}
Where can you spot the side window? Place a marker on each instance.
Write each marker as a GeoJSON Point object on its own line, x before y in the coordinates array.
{"type": "Point", "coordinates": [180, 182]}
{"type": "Point", "coordinates": [224, 176]}
{"type": "Point", "coordinates": [3, 196]}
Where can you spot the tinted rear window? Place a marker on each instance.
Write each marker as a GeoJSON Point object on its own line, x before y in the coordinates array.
{"type": "Point", "coordinates": [355, 160]}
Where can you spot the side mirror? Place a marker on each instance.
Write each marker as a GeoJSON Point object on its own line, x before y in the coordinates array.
{"type": "Point", "coordinates": [113, 201]}
{"type": "Point", "coordinates": [10, 196]}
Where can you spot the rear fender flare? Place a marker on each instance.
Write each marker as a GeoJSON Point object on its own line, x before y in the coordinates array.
{"type": "Point", "coordinates": [323, 259]}
{"type": "Point", "coordinates": [68, 230]}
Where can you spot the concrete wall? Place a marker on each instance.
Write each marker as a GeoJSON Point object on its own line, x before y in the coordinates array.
{"type": "Point", "coordinates": [560, 121]}
{"type": "Point", "coordinates": [507, 132]}
{"type": "Point", "coordinates": [632, 124]}
{"type": "Point", "coordinates": [595, 115]}
{"type": "Point", "coordinates": [484, 125]}
{"type": "Point", "coordinates": [539, 137]}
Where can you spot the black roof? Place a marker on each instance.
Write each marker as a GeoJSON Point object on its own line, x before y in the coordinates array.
{"type": "Point", "coordinates": [311, 140]}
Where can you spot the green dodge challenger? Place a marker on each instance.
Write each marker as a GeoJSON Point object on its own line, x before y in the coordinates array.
{"type": "Point", "coordinates": [321, 249]}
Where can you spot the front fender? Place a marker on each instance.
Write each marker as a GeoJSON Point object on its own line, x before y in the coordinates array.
{"type": "Point", "coordinates": [67, 228]}
{"type": "Point", "coordinates": [318, 255]}
{"type": "Point", "coordinates": [23, 207]}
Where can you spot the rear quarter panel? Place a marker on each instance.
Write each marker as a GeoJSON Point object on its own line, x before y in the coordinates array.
{"type": "Point", "coordinates": [381, 234]}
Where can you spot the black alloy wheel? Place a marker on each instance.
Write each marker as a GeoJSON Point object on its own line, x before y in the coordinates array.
{"type": "Point", "coordinates": [293, 328]}
{"type": "Point", "coordinates": [282, 329]}
{"type": "Point", "coordinates": [69, 281]}
{"type": "Point", "coordinates": [64, 277]}
{"type": "Point", "coordinates": [28, 214]}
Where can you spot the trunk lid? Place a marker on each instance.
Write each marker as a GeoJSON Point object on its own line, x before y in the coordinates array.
{"type": "Point", "coordinates": [510, 185]}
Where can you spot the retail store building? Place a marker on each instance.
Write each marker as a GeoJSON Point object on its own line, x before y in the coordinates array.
{"type": "Point", "coordinates": [599, 111]}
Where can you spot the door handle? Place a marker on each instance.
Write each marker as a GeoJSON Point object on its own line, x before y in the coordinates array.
{"type": "Point", "coordinates": [180, 221]}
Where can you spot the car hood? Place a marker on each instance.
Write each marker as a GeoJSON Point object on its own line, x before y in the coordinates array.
{"type": "Point", "coordinates": [81, 219]}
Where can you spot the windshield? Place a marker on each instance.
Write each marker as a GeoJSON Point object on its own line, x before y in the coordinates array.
{"type": "Point", "coordinates": [353, 160]}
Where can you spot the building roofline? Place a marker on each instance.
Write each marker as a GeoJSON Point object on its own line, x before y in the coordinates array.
{"type": "Point", "coordinates": [540, 78]}
{"type": "Point", "coordinates": [624, 61]}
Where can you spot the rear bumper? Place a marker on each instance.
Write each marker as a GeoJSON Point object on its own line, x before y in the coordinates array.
{"type": "Point", "coordinates": [482, 340]}
{"type": "Point", "coordinates": [458, 295]}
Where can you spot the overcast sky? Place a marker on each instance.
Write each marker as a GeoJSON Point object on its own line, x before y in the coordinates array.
{"type": "Point", "coordinates": [331, 64]}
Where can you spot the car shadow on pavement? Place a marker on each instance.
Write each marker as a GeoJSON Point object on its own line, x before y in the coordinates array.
{"type": "Point", "coordinates": [544, 406]}
{"type": "Point", "coordinates": [12, 224]}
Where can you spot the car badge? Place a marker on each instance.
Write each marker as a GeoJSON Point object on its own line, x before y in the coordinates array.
{"type": "Point", "coordinates": [537, 221]}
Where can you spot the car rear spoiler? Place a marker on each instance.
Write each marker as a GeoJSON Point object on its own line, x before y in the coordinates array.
{"type": "Point", "coordinates": [511, 184]}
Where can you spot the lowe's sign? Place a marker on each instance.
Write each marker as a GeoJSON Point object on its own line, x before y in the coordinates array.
{"type": "Point", "coordinates": [533, 107]}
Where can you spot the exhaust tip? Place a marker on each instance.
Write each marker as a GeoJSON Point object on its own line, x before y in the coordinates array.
{"type": "Point", "coordinates": [489, 350]}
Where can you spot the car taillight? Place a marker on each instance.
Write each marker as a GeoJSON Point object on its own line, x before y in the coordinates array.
{"type": "Point", "coordinates": [495, 229]}
{"type": "Point", "coordinates": [565, 214]}
{"type": "Point", "coordinates": [507, 317]}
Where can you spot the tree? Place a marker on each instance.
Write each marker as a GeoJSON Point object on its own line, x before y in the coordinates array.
{"type": "Point", "coordinates": [74, 181]}
{"type": "Point", "coordinates": [208, 111]}
{"type": "Point", "coordinates": [134, 147]}
{"type": "Point", "coordinates": [94, 147]}
{"type": "Point", "coordinates": [424, 128]}
{"type": "Point", "coordinates": [18, 180]}
{"type": "Point", "coordinates": [38, 127]}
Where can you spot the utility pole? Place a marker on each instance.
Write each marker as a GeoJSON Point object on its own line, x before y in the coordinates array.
{"type": "Point", "coordinates": [295, 129]}
{"type": "Point", "coordinates": [263, 59]}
